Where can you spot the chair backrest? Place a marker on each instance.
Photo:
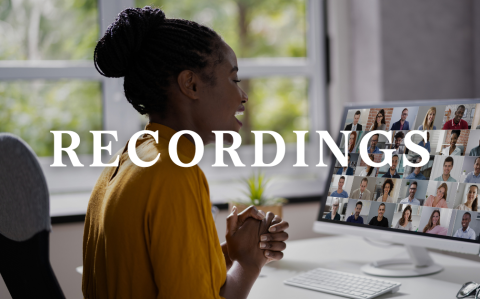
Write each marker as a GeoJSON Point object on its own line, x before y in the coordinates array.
{"type": "Point", "coordinates": [24, 223]}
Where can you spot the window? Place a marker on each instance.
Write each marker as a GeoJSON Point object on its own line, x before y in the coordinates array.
{"type": "Point", "coordinates": [49, 67]}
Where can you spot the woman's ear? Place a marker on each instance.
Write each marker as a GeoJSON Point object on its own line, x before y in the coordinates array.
{"type": "Point", "coordinates": [188, 82]}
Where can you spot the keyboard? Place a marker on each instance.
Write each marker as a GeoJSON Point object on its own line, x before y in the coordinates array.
{"type": "Point", "coordinates": [343, 284]}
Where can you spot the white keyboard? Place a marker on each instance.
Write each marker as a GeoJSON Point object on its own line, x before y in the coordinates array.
{"type": "Point", "coordinates": [343, 284]}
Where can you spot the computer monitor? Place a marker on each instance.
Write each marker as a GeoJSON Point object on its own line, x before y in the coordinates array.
{"type": "Point", "coordinates": [433, 206]}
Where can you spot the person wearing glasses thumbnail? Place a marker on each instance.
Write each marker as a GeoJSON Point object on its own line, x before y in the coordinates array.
{"type": "Point", "coordinates": [380, 220]}
{"type": "Point", "coordinates": [392, 171]}
{"type": "Point", "coordinates": [362, 192]}
{"type": "Point", "coordinates": [447, 168]}
{"type": "Point", "coordinates": [333, 215]}
{"type": "Point", "coordinates": [405, 222]}
{"type": "Point", "coordinates": [466, 232]}
{"type": "Point", "coordinates": [346, 170]}
{"type": "Point", "coordinates": [453, 149]}
{"type": "Point", "coordinates": [356, 218]}
{"type": "Point", "coordinates": [416, 174]}
{"type": "Point", "coordinates": [428, 120]}
{"type": "Point", "coordinates": [379, 122]}
{"type": "Point", "coordinates": [340, 192]}
{"type": "Point", "coordinates": [457, 122]}
{"type": "Point", "coordinates": [439, 200]}
{"type": "Point", "coordinates": [354, 126]}
{"type": "Point", "coordinates": [474, 176]}
{"type": "Point", "coordinates": [373, 149]}
{"type": "Point", "coordinates": [433, 225]}
{"type": "Point", "coordinates": [410, 199]}
{"type": "Point", "coordinates": [402, 124]}
{"type": "Point", "coordinates": [387, 187]}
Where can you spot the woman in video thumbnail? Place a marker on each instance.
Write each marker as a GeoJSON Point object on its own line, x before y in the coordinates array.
{"type": "Point", "coordinates": [333, 215]}
{"type": "Point", "coordinates": [370, 171]}
{"type": "Point", "coordinates": [426, 144]}
{"type": "Point", "coordinates": [379, 123]}
{"type": "Point", "coordinates": [453, 149]}
{"type": "Point", "coordinates": [352, 139]}
{"type": "Point", "coordinates": [387, 187]}
{"type": "Point", "coordinates": [433, 225]}
{"type": "Point", "coordinates": [440, 200]}
{"type": "Point", "coordinates": [405, 222]}
{"type": "Point", "coordinates": [472, 200]}
{"type": "Point", "coordinates": [429, 119]}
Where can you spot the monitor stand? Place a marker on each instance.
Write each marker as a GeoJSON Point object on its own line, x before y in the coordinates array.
{"type": "Point", "coordinates": [422, 264]}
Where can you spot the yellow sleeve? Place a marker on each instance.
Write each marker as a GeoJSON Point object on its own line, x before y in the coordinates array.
{"type": "Point", "coordinates": [185, 252]}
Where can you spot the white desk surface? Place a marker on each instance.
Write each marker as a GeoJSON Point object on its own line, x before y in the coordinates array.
{"type": "Point", "coordinates": [348, 254]}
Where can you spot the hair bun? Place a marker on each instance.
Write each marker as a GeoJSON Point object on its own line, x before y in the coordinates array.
{"type": "Point", "coordinates": [123, 39]}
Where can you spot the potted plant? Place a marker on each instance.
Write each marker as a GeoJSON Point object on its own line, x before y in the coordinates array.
{"type": "Point", "coordinates": [255, 194]}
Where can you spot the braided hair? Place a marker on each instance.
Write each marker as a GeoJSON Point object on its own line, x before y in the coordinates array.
{"type": "Point", "coordinates": [149, 50]}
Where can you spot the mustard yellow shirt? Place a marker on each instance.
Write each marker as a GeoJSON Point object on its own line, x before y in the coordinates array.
{"type": "Point", "coordinates": [149, 232]}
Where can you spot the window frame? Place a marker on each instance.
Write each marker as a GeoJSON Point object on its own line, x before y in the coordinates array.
{"type": "Point", "coordinates": [116, 108]}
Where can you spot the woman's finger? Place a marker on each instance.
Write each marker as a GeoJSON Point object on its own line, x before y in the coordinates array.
{"type": "Point", "coordinates": [273, 246]}
{"type": "Point", "coordinates": [273, 255]}
{"type": "Point", "coordinates": [279, 227]}
{"type": "Point", "coordinates": [276, 220]}
{"type": "Point", "coordinates": [252, 212]}
{"type": "Point", "coordinates": [281, 236]}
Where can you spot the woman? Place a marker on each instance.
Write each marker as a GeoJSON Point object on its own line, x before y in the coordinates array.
{"type": "Point", "coordinates": [387, 188]}
{"type": "Point", "coordinates": [472, 200]}
{"type": "Point", "coordinates": [453, 150]}
{"type": "Point", "coordinates": [369, 170]}
{"type": "Point", "coordinates": [379, 122]}
{"type": "Point", "coordinates": [428, 120]}
{"type": "Point", "coordinates": [149, 231]}
{"type": "Point", "coordinates": [352, 139]}
{"type": "Point", "coordinates": [433, 225]}
{"type": "Point", "coordinates": [405, 222]}
{"type": "Point", "coordinates": [440, 200]}
{"type": "Point", "coordinates": [424, 144]}
{"type": "Point", "coordinates": [333, 213]}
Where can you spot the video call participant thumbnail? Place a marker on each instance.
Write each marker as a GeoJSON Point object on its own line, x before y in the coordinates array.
{"type": "Point", "coordinates": [476, 150]}
{"type": "Point", "coordinates": [402, 124]}
{"type": "Point", "coordinates": [447, 168]}
{"type": "Point", "coordinates": [472, 200]}
{"type": "Point", "coordinates": [398, 138]}
{"type": "Point", "coordinates": [474, 176]}
{"type": "Point", "coordinates": [416, 174]}
{"type": "Point", "coordinates": [373, 149]}
{"type": "Point", "coordinates": [428, 120]}
{"type": "Point", "coordinates": [369, 171]}
{"type": "Point", "coordinates": [333, 213]}
{"type": "Point", "coordinates": [392, 171]}
{"type": "Point", "coordinates": [426, 144]}
{"type": "Point", "coordinates": [379, 122]}
{"type": "Point", "coordinates": [352, 140]}
{"type": "Point", "coordinates": [465, 232]}
{"type": "Point", "coordinates": [410, 199]}
{"type": "Point", "coordinates": [405, 222]}
{"type": "Point", "coordinates": [362, 192]}
{"type": "Point", "coordinates": [387, 187]}
{"type": "Point", "coordinates": [354, 126]}
{"type": "Point", "coordinates": [439, 200]}
{"type": "Point", "coordinates": [346, 170]}
{"type": "Point", "coordinates": [380, 220]}
{"type": "Point", "coordinates": [356, 218]}
{"type": "Point", "coordinates": [457, 122]}
{"type": "Point", "coordinates": [433, 226]}
{"type": "Point", "coordinates": [453, 149]}
{"type": "Point", "coordinates": [340, 192]}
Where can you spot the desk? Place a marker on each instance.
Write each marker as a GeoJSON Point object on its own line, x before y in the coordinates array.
{"type": "Point", "coordinates": [348, 254]}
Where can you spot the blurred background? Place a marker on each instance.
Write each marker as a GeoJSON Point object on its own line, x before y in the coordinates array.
{"type": "Point", "coordinates": [300, 61]}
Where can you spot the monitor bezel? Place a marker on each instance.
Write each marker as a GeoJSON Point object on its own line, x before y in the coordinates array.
{"type": "Point", "coordinates": [389, 234]}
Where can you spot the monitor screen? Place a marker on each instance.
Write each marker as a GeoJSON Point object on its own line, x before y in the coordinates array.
{"type": "Point", "coordinates": [439, 199]}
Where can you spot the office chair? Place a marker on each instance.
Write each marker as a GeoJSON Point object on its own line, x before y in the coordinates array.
{"type": "Point", "coordinates": [24, 223]}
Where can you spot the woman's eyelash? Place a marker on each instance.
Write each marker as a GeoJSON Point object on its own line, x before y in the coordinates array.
{"type": "Point", "coordinates": [237, 81]}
